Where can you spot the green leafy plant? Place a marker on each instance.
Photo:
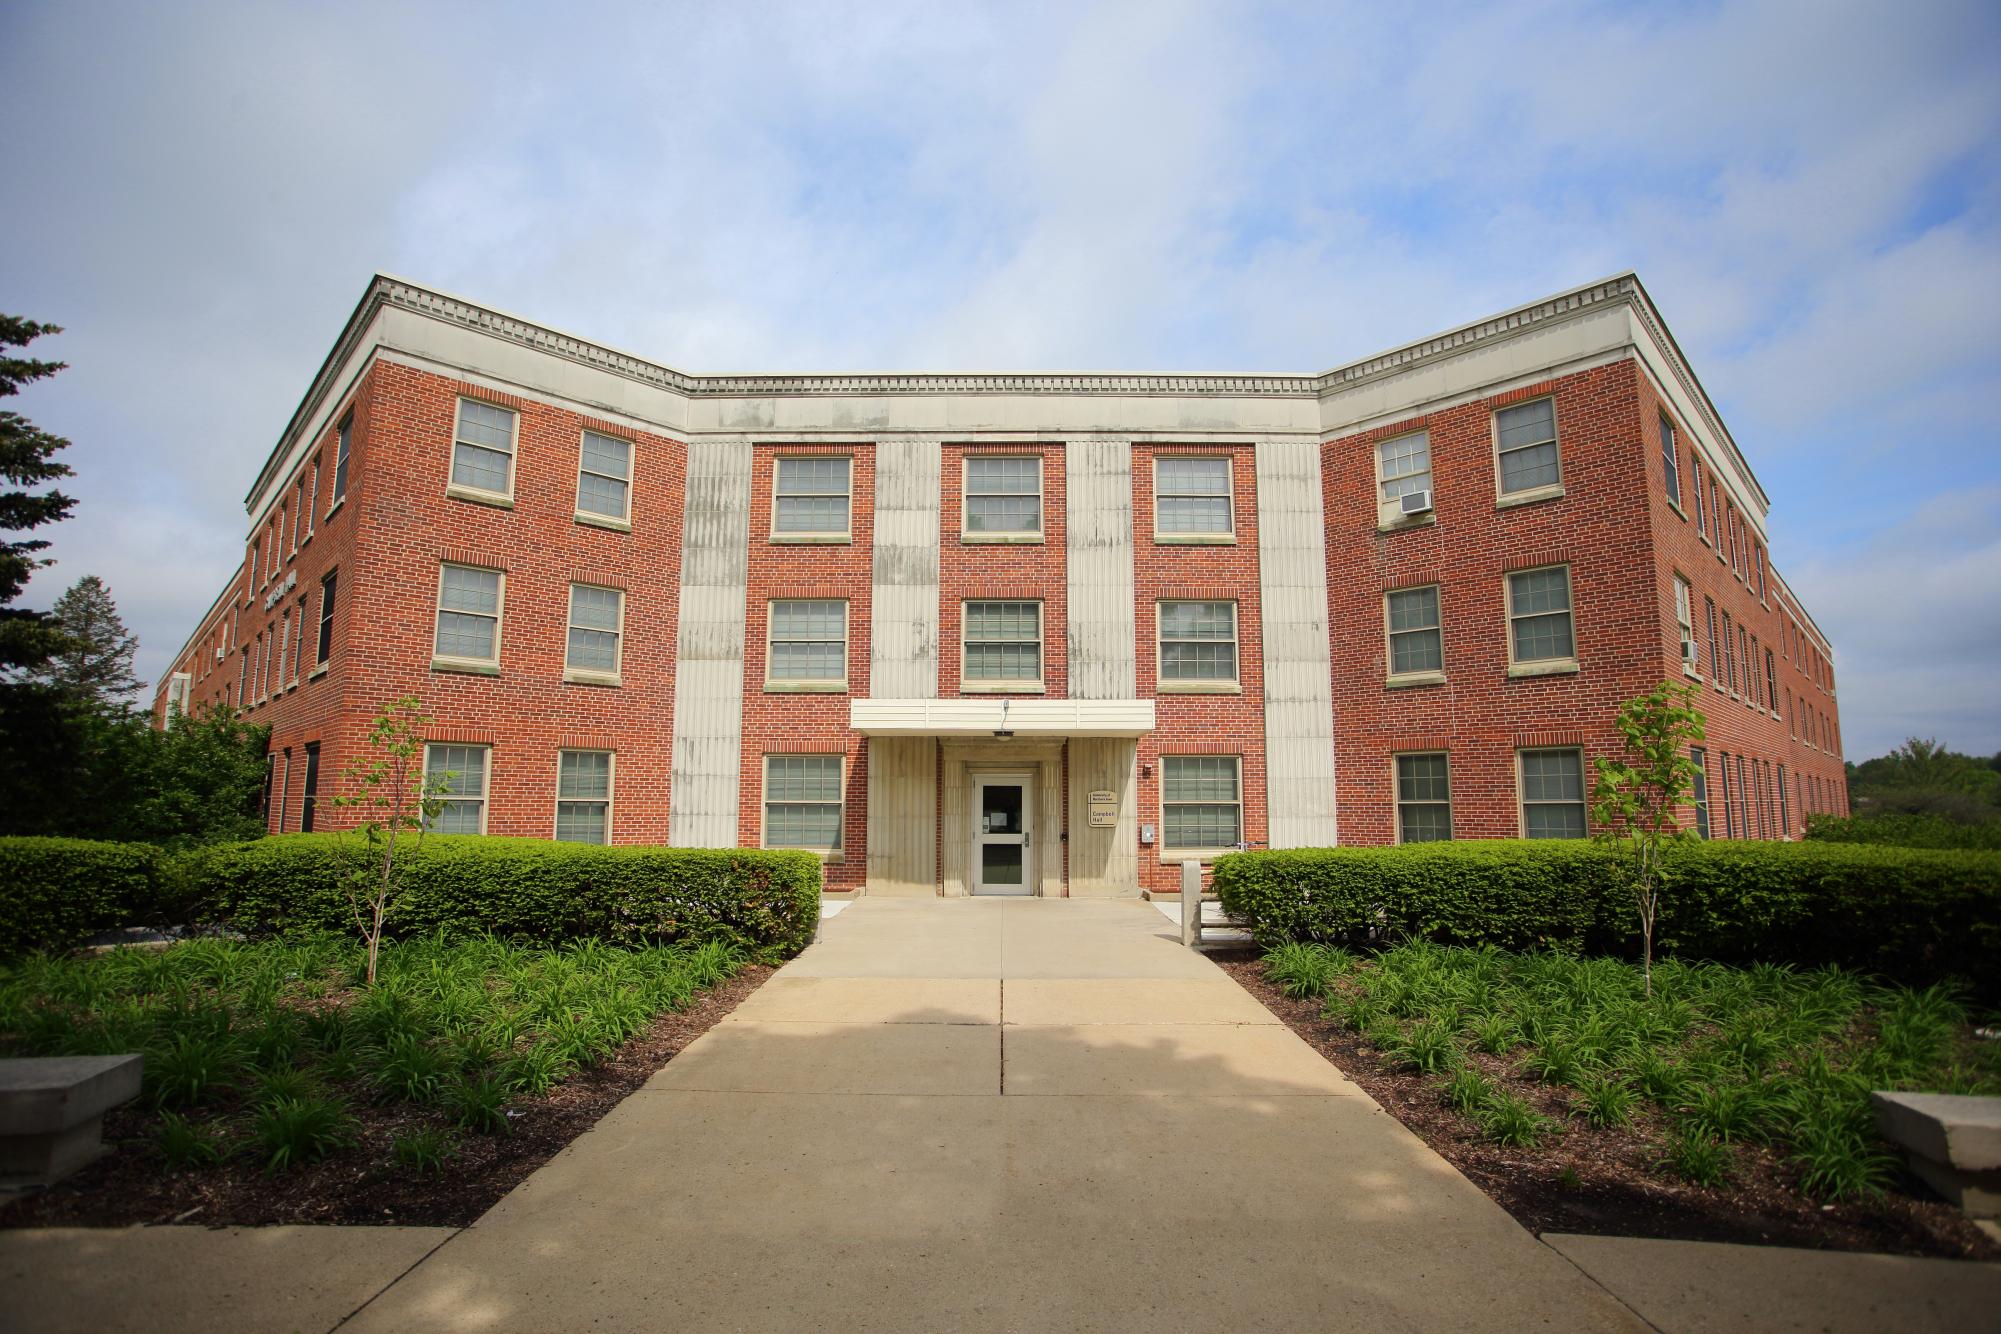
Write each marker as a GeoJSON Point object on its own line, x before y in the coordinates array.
{"type": "Point", "coordinates": [421, 1151]}
{"type": "Point", "coordinates": [479, 1104]}
{"type": "Point", "coordinates": [411, 1069]}
{"type": "Point", "coordinates": [1468, 1090]}
{"type": "Point", "coordinates": [1509, 1119]}
{"type": "Point", "coordinates": [1697, 1157]}
{"type": "Point", "coordinates": [1428, 1048]}
{"type": "Point", "coordinates": [398, 802]}
{"type": "Point", "coordinates": [191, 1067]}
{"type": "Point", "coordinates": [1303, 972]}
{"type": "Point", "coordinates": [295, 1131]}
{"type": "Point", "coordinates": [188, 1144]}
{"type": "Point", "coordinates": [1606, 1101]}
{"type": "Point", "coordinates": [1637, 798]}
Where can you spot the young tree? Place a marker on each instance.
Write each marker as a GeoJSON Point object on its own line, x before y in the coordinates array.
{"type": "Point", "coordinates": [1637, 798]}
{"type": "Point", "coordinates": [92, 662]}
{"type": "Point", "coordinates": [387, 785]}
{"type": "Point", "coordinates": [27, 459]}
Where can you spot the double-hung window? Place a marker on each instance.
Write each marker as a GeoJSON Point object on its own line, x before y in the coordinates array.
{"type": "Point", "coordinates": [1539, 625]}
{"type": "Point", "coordinates": [809, 644]}
{"type": "Point", "coordinates": [483, 449]}
{"type": "Point", "coordinates": [1698, 791]}
{"type": "Point", "coordinates": [346, 440]}
{"type": "Point", "coordinates": [1785, 807]}
{"type": "Point", "coordinates": [1771, 681]}
{"type": "Point", "coordinates": [1424, 799]}
{"type": "Point", "coordinates": [1525, 444]}
{"type": "Point", "coordinates": [1404, 467]}
{"type": "Point", "coordinates": [604, 478]}
{"type": "Point", "coordinates": [583, 796]}
{"type": "Point", "coordinates": [313, 499]}
{"type": "Point", "coordinates": [1715, 643]}
{"type": "Point", "coordinates": [1417, 646]}
{"type": "Point", "coordinates": [802, 802]}
{"type": "Point", "coordinates": [1198, 645]}
{"type": "Point", "coordinates": [455, 779]}
{"type": "Point", "coordinates": [1695, 476]}
{"type": "Point", "coordinates": [1670, 461]}
{"type": "Point", "coordinates": [325, 644]}
{"type": "Point", "coordinates": [469, 600]}
{"type": "Point", "coordinates": [284, 649]}
{"type": "Point", "coordinates": [1684, 618]}
{"type": "Point", "coordinates": [810, 499]}
{"type": "Point", "coordinates": [1553, 794]}
{"type": "Point", "coordinates": [1201, 800]}
{"type": "Point", "coordinates": [597, 623]}
{"type": "Point", "coordinates": [1729, 655]}
{"type": "Point", "coordinates": [1004, 497]}
{"type": "Point", "coordinates": [1192, 499]}
{"type": "Point", "coordinates": [1002, 646]}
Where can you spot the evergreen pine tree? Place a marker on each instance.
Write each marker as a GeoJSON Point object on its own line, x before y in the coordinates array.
{"type": "Point", "coordinates": [92, 663]}
{"type": "Point", "coordinates": [27, 458]}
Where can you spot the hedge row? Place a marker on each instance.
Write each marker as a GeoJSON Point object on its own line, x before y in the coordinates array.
{"type": "Point", "coordinates": [1904, 831]}
{"type": "Point", "coordinates": [766, 901]}
{"type": "Point", "coordinates": [1915, 915]}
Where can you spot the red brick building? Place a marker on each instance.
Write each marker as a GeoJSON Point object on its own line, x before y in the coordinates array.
{"type": "Point", "coordinates": [1015, 633]}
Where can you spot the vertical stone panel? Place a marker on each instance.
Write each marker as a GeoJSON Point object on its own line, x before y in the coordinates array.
{"type": "Point", "coordinates": [902, 816]}
{"type": "Point", "coordinates": [1098, 514]}
{"type": "Point", "coordinates": [708, 681]}
{"type": "Point", "coordinates": [1103, 863]}
{"type": "Point", "coordinates": [1299, 690]}
{"type": "Point", "coordinates": [903, 621]}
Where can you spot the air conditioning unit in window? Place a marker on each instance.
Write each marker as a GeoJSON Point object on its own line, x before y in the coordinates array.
{"type": "Point", "coordinates": [1416, 502]}
{"type": "Point", "coordinates": [1688, 653]}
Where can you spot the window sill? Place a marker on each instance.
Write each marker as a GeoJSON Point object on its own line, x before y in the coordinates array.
{"type": "Point", "coordinates": [603, 521]}
{"type": "Point", "coordinates": [1199, 688]}
{"type": "Point", "coordinates": [468, 668]}
{"type": "Point", "coordinates": [1675, 505]}
{"type": "Point", "coordinates": [1559, 667]}
{"type": "Point", "coordinates": [812, 539]}
{"type": "Point", "coordinates": [578, 676]}
{"type": "Point", "coordinates": [478, 497]}
{"type": "Point", "coordinates": [1204, 855]}
{"type": "Point", "coordinates": [1405, 680]}
{"type": "Point", "coordinates": [1705, 538]}
{"type": "Point", "coordinates": [1530, 497]}
{"type": "Point", "coordinates": [318, 671]}
{"type": "Point", "coordinates": [334, 508]}
{"type": "Point", "coordinates": [806, 687]}
{"type": "Point", "coordinates": [1402, 523]}
{"type": "Point", "coordinates": [1194, 539]}
{"type": "Point", "coordinates": [1000, 687]}
{"type": "Point", "coordinates": [821, 853]}
{"type": "Point", "coordinates": [1692, 674]}
{"type": "Point", "coordinates": [1002, 539]}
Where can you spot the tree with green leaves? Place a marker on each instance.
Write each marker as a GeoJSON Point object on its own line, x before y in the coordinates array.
{"type": "Point", "coordinates": [92, 662]}
{"type": "Point", "coordinates": [387, 786]}
{"type": "Point", "coordinates": [1638, 797]}
{"type": "Point", "coordinates": [27, 459]}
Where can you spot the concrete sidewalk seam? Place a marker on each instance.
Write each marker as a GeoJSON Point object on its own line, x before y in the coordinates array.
{"type": "Point", "coordinates": [407, 1271]}
{"type": "Point", "coordinates": [1589, 1278]}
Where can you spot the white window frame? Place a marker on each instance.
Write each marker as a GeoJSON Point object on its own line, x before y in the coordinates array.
{"type": "Point", "coordinates": [1522, 803]}
{"type": "Point", "coordinates": [610, 792]}
{"type": "Point", "coordinates": [1427, 676]}
{"type": "Point", "coordinates": [481, 494]}
{"type": "Point", "coordinates": [1684, 613]}
{"type": "Point", "coordinates": [484, 799]}
{"type": "Point", "coordinates": [343, 459]}
{"type": "Point", "coordinates": [839, 851]}
{"type": "Point", "coordinates": [1170, 853]}
{"type": "Point", "coordinates": [1176, 537]}
{"type": "Point", "coordinates": [323, 627]}
{"type": "Point", "coordinates": [1009, 687]}
{"type": "Point", "coordinates": [454, 662]}
{"type": "Point", "coordinates": [621, 522]}
{"type": "Point", "coordinates": [298, 641]}
{"type": "Point", "coordinates": [830, 535]}
{"type": "Point", "coordinates": [313, 501]}
{"type": "Point", "coordinates": [1389, 509]}
{"type": "Point", "coordinates": [1671, 457]}
{"type": "Point", "coordinates": [1527, 495]}
{"type": "Point", "coordinates": [1540, 666]}
{"type": "Point", "coordinates": [1396, 790]}
{"type": "Point", "coordinates": [593, 675]}
{"type": "Point", "coordinates": [1191, 686]}
{"type": "Point", "coordinates": [1023, 536]}
{"type": "Point", "coordinates": [805, 685]}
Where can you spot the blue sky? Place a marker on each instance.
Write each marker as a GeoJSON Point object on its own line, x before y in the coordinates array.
{"type": "Point", "coordinates": [1810, 192]}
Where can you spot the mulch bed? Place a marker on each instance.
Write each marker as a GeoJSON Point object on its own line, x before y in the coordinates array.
{"type": "Point", "coordinates": [364, 1184]}
{"type": "Point", "coordinates": [1603, 1182]}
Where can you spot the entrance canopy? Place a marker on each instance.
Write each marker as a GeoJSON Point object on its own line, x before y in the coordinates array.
{"type": "Point", "coordinates": [1004, 716]}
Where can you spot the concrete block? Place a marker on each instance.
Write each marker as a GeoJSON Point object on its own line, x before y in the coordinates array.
{"type": "Point", "coordinates": [52, 1112]}
{"type": "Point", "coordinates": [1954, 1143]}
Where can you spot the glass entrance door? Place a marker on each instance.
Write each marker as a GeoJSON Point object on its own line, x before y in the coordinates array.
{"type": "Point", "coordinates": [1000, 835]}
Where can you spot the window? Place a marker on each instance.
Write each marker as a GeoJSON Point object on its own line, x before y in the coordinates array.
{"type": "Point", "coordinates": [340, 461]}
{"type": "Point", "coordinates": [469, 614]}
{"type": "Point", "coordinates": [1404, 465]}
{"type": "Point", "coordinates": [1750, 667]}
{"type": "Point", "coordinates": [802, 802]}
{"type": "Point", "coordinates": [298, 638]}
{"type": "Point", "coordinates": [1739, 800]}
{"type": "Point", "coordinates": [483, 449]}
{"type": "Point", "coordinates": [1731, 507]}
{"type": "Point", "coordinates": [325, 645]}
{"type": "Point", "coordinates": [597, 618]}
{"type": "Point", "coordinates": [583, 796]}
{"type": "Point", "coordinates": [1758, 555]}
{"type": "Point", "coordinates": [1004, 496]}
{"type": "Point", "coordinates": [1553, 794]}
{"type": "Point", "coordinates": [1695, 476]}
{"type": "Point", "coordinates": [1201, 804]}
{"type": "Point", "coordinates": [284, 644]}
{"type": "Point", "coordinates": [1771, 680]}
{"type": "Point", "coordinates": [1198, 643]}
{"type": "Point", "coordinates": [604, 477]}
{"type": "Point", "coordinates": [256, 555]}
{"type": "Point", "coordinates": [1699, 790]}
{"type": "Point", "coordinates": [1752, 686]}
{"type": "Point", "coordinates": [309, 799]}
{"type": "Point", "coordinates": [1729, 655]}
{"type": "Point", "coordinates": [1684, 619]}
{"type": "Point", "coordinates": [1785, 807]}
{"type": "Point", "coordinates": [1539, 616]}
{"type": "Point", "coordinates": [1003, 644]}
{"type": "Point", "coordinates": [1670, 463]}
{"type": "Point", "coordinates": [243, 695]}
{"type": "Point", "coordinates": [285, 790]}
{"type": "Point", "coordinates": [298, 508]}
{"type": "Point", "coordinates": [809, 642]}
{"type": "Point", "coordinates": [1526, 441]}
{"type": "Point", "coordinates": [1424, 799]}
{"type": "Point", "coordinates": [1416, 643]}
{"type": "Point", "coordinates": [265, 683]}
{"type": "Point", "coordinates": [811, 498]}
{"type": "Point", "coordinates": [1715, 643]}
{"type": "Point", "coordinates": [313, 498]}
{"type": "Point", "coordinates": [456, 777]}
{"type": "Point", "coordinates": [1192, 497]}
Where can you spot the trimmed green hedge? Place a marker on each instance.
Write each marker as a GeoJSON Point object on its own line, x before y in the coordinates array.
{"type": "Point", "coordinates": [1915, 915]}
{"type": "Point", "coordinates": [766, 901]}
{"type": "Point", "coordinates": [1904, 831]}
{"type": "Point", "coordinates": [56, 891]}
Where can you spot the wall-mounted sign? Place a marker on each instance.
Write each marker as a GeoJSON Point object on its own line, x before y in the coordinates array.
{"type": "Point", "coordinates": [1104, 810]}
